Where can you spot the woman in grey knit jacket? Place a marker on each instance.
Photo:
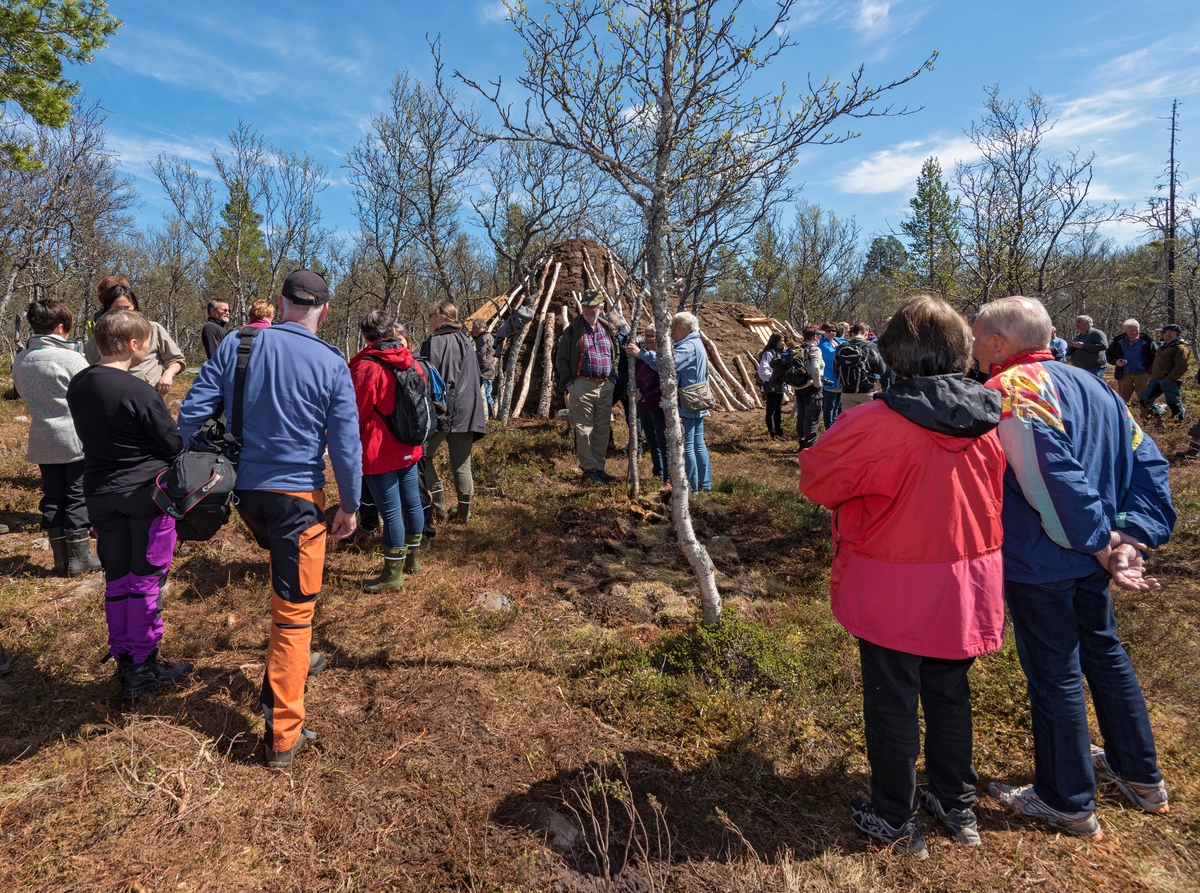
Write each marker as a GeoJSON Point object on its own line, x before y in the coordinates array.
{"type": "Point", "coordinates": [41, 373]}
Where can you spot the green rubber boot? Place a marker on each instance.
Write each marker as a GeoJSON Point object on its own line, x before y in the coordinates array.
{"type": "Point", "coordinates": [438, 498]}
{"type": "Point", "coordinates": [464, 509]}
{"type": "Point", "coordinates": [393, 571]}
{"type": "Point", "coordinates": [412, 563]}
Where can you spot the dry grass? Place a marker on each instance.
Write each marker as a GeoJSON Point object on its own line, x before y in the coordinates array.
{"type": "Point", "coordinates": [451, 737]}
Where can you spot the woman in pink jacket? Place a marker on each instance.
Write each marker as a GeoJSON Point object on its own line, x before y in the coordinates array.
{"type": "Point", "coordinates": [915, 480]}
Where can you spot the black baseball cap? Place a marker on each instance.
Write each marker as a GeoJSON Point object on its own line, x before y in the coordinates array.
{"type": "Point", "coordinates": [306, 287]}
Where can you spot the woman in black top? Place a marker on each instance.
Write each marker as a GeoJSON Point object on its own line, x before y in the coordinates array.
{"type": "Point", "coordinates": [129, 438]}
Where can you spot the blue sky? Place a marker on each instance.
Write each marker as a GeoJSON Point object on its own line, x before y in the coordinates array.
{"type": "Point", "coordinates": [310, 75]}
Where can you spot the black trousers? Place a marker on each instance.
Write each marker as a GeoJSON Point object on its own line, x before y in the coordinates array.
{"type": "Point", "coordinates": [809, 406]}
{"type": "Point", "coordinates": [774, 404]}
{"type": "Point", "coordinates": [62, 497]}
{"type": "Point", "coordinates": [893, 682]}
{"type": "Point", "coordinates": [132, 535]}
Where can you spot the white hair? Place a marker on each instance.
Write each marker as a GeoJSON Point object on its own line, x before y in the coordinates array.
{"type": "Point", "coordinates": [1086, 319]}
{"type": "Point", "coordinates": [687, 321]}
{"type": "Point", "coordinates": [1130, 323]}
{"type": "Point", "coordinates": [305, 314]}
{"type": "Point", "coordinates": [1023, 322]}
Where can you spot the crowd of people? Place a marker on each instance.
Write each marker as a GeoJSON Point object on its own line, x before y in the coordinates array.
{"type": "Point", "coordinates": [969, 467]}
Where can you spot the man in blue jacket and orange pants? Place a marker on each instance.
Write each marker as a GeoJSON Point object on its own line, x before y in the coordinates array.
{"type": "Point", "coordinates": [1085, 494]}
{"type": "Point", "coordinates": [298, 399]}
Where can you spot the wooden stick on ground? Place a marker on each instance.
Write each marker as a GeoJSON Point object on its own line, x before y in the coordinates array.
{"type": "Point", "coordinates": [537, 341]}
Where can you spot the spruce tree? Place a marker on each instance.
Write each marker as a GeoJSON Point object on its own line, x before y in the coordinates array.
{"type": "Point", "coordinates": [932, 230]}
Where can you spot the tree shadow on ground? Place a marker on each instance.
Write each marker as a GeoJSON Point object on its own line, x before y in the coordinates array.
{"type": "Point", "coordinates": [638, 808]}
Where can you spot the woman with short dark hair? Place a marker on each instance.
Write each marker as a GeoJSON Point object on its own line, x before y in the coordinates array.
{"type": "Point", "coordinates": [41, 373]}
{"type": "Point", "coordinates": [915, 480]}
{"type": "Point", "coordinates": [390, 467]}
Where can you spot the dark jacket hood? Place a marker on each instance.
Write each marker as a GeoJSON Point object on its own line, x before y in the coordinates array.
{"type": "Point", "coordinates": [945, 404]}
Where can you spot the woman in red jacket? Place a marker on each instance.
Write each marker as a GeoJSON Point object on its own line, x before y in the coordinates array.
{"type": "Point", "coordinates": [915, 480]}
{"type": "Point", "coordinates": [390, 468]}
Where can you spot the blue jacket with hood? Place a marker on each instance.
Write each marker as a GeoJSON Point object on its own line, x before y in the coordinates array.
{"type": "Point", "coordinates": [299, 398]}
{"type": "Point", "coordinates": [1079, 467]}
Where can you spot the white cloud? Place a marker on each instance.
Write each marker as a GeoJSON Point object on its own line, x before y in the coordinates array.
{"type": "Point", "coordinates": [496, 11]}
{"type": "Point", "coordinates": [896, 169]}
{"type": "Point", "coordinates": [870, 14]}
{"type": "Point", "coordinates": [136, 154]}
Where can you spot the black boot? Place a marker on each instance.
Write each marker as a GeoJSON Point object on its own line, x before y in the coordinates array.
{"type": "Point", "coordinates": [58, 546]}
{"type": "Point", "coordinates": [139, 679]}
{"type": "Point", "coordinates": [80, 560]}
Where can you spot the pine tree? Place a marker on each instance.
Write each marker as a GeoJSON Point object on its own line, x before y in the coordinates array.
{"type": "Point", "coordinates": [238, 268]}
{"type": "Point", "coordinates": [932, 230]}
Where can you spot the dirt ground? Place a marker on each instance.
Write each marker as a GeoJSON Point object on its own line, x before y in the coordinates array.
{"type": "Point", "coordinates": [585, 737]}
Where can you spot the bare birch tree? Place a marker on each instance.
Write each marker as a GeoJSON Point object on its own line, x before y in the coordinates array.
{"type": "Point", "coordinates": [1022, 214]}
{"type": "Point", "coordinates": [538, 193]}
{"type": "Point", "coordinates": [264, 187]}
{"type": "Point", "coordinates": [413, 170]}
{"type": "Point", "coordinates": [57, 218]}
{"type": "Point", "coordinates": [657, 94]}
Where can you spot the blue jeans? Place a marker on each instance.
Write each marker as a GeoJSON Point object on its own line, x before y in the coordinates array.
{"type": "Point", "coordinates": [1061, 629]}
{"type": "Point", "coordinates": [654, 425]}
{"type": "Point", "coordinates": [398, 497]}
{"type": "Point", "coordinates": [831, 407]}
{"type": "Point", "coordinates": [695, 455]}
{"type": "Point", "coordinates": [487, 390]}
{"type": "Point", "coordinates": [1169, 389]}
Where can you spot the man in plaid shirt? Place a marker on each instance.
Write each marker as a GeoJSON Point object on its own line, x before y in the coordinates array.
{"type": "Point", "coordinates": [587, 365]}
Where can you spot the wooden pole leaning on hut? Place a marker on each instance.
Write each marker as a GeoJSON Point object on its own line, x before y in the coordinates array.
{"type": "Point", "coordinates": [752, 388]}
{"type": "Point", "coordinates": [537, 342]}
{"type": "Point", "coordinates": [547, 367]}
{"type": "Point", "coordinates": [735, 386]}
{"type": "Point", "coordinates": [514, 351]}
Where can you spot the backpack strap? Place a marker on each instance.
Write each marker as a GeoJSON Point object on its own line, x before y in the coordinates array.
{"type": "Point", "coordinates": [246, 337]}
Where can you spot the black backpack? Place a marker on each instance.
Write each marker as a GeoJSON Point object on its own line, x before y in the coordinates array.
{"type": "Point", "coordinates": [414, 416]}
{"type": "Point", "coordinates": [799, 372]}
{"type": "Point", "coordinates": [852, 363]}
{"type": "Point", "coordinates": [197, 490]}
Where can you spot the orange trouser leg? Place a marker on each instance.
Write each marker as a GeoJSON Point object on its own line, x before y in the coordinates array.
{"type": "Point", "coordinates": [292, 527]}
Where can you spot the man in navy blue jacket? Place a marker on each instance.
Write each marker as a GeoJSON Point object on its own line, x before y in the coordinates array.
{"type": "Point", "coordinates": [298, 399]}
{"type": "Point", "coordinates": [1085, 494]}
